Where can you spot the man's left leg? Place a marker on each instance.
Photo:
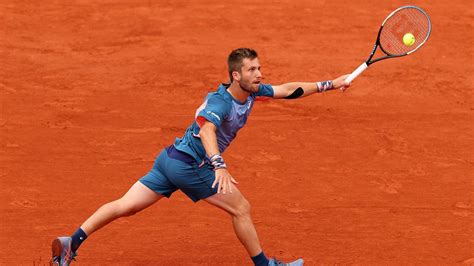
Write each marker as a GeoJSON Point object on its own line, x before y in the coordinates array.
{"type": "Point", "coordinates": [239, 208]}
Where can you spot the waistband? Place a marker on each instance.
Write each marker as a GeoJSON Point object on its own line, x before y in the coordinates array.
{"type": "Point", "coordinates": [179, 155]}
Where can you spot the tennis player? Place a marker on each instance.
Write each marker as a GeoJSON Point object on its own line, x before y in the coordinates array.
{"type": "Point", "coordinates": [194, 163]}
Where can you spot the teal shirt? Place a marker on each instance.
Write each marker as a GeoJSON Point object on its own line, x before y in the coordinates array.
{"type": "Point", "coordinates": [226, 113]}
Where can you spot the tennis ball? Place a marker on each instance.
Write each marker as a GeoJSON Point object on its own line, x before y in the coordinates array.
{"type": "Point", "coordinates": [408, 39]}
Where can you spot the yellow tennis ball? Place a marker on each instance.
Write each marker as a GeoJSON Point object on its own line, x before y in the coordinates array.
{"type": "Point", "coordinates": [408, 39]}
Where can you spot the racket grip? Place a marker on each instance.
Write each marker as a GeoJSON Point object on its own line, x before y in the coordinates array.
{"type": "Point", "coordinates": [357, 72]}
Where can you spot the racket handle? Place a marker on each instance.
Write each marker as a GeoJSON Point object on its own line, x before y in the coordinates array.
{"type": "Point", "coordinates": [357, 72]}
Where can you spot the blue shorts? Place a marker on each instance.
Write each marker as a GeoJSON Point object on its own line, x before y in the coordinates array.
{"type": "Point", "coordinates": [175, 170]}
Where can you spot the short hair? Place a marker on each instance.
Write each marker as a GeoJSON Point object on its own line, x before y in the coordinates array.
{"type": "Point", "coordinates": [236, 58]}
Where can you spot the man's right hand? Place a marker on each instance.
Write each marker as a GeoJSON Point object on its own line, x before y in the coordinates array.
{"type": "Point", "coordinates": [223, 181]}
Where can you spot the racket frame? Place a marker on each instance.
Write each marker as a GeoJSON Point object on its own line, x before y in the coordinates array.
{"type": "Point", "coordinates": [369, 60]}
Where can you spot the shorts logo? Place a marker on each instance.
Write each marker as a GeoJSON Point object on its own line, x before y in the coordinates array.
{"type": "Point", "coordinates": [213, 114]}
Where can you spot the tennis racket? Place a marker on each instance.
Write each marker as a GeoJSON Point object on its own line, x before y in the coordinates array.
{"type": "Point", "coordinates": [399, 24]}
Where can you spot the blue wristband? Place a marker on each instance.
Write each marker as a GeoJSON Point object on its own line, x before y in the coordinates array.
{"type": "Point", "coordinates": [218, 162]}
{"type": "Point", "coordinates": [324, 85]}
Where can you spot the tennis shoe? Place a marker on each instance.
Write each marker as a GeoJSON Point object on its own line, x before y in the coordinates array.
{"type": "Point", "coordinates": [275, 262]}
{"type": "Point", "coordinates": [62, 255]}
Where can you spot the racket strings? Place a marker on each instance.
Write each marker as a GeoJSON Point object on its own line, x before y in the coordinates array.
{"type": "Point", "coordinates": [406, 20]}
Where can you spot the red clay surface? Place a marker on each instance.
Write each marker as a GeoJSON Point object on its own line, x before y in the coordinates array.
{"type": "Point", "coordinates": [91, 92]}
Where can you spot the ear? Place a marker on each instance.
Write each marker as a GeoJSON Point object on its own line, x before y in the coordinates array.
{"type": "Point", "coordinates": [236, 76]}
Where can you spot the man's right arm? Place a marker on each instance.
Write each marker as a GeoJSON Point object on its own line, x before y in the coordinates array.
{"type": "Point", "coordinates": [209, 141]}
{"type": "Point", "coordinates": [209, 138]}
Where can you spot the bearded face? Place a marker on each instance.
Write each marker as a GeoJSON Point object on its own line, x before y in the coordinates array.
{"type": "Point", "coordinates": [250, 76]}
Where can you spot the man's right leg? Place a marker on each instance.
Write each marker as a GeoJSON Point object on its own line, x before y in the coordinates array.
{"type": "Point", "coordinates": [137, 198]}
{"type": "Point", "coordinates": [148, 190]}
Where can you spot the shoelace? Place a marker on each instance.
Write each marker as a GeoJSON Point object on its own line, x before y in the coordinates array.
{"type": "Point", "coordinates": [279, 263]}
{"type": "Point", "coordinates": [57, 258]}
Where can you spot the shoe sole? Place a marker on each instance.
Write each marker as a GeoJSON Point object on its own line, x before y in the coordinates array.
{"type": "Point", "coordinates": [56, 248]}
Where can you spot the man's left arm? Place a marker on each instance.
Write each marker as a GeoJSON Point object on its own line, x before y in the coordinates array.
{"type": "Point", "coordinates": [295, 90]}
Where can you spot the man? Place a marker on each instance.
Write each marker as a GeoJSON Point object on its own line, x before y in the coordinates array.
{"type": "Point", "coordinates": [194, 164]}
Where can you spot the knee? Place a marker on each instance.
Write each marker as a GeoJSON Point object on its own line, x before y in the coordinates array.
{"type": "Point", "coordinates": [242, 209]}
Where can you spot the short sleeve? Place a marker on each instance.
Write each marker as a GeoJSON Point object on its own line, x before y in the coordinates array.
{"type": "Point", "coordinates": [265, 90]}
{"type": "Point", "coordinates": [214, 110]}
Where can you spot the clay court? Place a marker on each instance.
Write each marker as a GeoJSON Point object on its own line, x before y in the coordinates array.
{"type": "Point", "coordinates": [91, 91]}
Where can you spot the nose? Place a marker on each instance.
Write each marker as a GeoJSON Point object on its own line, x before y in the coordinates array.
{"type": "Point", "coordinates": [259, 74]}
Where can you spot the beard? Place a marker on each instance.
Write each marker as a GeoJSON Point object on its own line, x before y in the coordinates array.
{"type": "Point", "coordinates": [249, 87]}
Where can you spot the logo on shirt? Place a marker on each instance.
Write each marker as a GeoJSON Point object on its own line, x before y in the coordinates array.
{"type": "Point", "coordinates": [249, 104]}
{"type": "Point", "coordinates": [214, 114]}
